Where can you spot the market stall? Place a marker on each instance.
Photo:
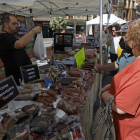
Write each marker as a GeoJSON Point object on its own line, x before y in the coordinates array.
{"type": "Point", "coordinates": [66, 94]}
{"type": "Point", "coordinates": [55, 110]}
{"type": "Point", "coordinates": [68, 101]}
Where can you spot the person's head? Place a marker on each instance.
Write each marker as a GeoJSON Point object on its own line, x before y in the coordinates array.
{"type": "Point", "coordinates": [9, 22]}
{"type": "Point", "coordinates": [123, 33]}
{"type": "Point", "coordinates": [124, 29]}
{"type": "Point", "coordinates": [122, 25]}
{"type": "Point", "coordinates": [133, 37]}
{"type": "Point", "coordinates": [105, 29]}
{"type": "Point", "coordinates": [122, 42]}
{"type": "Point", "coordinates": [110, 29]}
{"type": "Point", "coordinates": [115, 28]}
{"type": "Point", "coordinates": [64, 31]}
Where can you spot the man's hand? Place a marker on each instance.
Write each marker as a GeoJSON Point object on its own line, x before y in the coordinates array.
{"type": "Point", "coordinates": [98, 68]}
{"type": "Point", "coordinates": [37, 29]}
{"type": "Point", "coordinates": [105, 88]}
{"type": "Point", "coordinates": [25, 40]}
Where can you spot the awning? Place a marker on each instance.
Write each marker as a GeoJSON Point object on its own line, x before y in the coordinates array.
{"type": "Point", "coordinates": [45, 8]}
{"type": "Point", "coordinates": [113, 20]}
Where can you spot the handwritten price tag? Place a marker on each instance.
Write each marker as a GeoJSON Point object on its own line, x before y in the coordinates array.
{"type": "Point", "coordinates": [80, 58]}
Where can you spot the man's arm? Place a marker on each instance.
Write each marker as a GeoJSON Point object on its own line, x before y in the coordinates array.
{"type": "Point", "coordinates": [109, 41]}
{"type": "Point", "coordinates": [25, 40]}
{"type": "Point", "coordinates": [109, 67]}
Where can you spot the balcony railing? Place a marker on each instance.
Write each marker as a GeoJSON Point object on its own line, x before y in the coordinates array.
{"type": "Point", "coordinates": [115, 2]}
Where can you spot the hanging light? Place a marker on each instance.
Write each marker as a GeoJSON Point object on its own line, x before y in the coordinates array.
{"type": "Point", "coordinates": [50, 15]}
{"type": "Point", "coordinates": [31, 13]}
{"type": "Point", "coordinates": [50, 11]}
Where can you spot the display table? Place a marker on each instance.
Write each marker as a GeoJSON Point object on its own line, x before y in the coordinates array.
{"type": "Point", "coordinates": [86, 119]}
{"type": "Point", "coordinates": [71, 100]}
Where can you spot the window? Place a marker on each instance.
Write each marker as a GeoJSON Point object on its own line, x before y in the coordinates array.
{"type": "Point", "coordinates": [114, 2]}
{"type": "Point", "coordinates": [125, 3]}
{"type": "Point", "coordinates": [129, 3]}
{"type": "Point", "coordinates": [123, 15]}
{"type": "Point", "coordinates": [71, 17]}
{"type": "Point", "coordinates": [113, 12]}
{"type": "Point", "coordinates": [94, 16]}
{"type": "Point", "coordinates": [80, 28]}
{"type": "Point", "coordinates": [133, 5]}
{"type": "Point", "coordinates": [70, 24]}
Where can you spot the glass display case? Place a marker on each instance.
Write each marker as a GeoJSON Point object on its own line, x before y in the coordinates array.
{"type": "Point", "coordinates": [63, 42]}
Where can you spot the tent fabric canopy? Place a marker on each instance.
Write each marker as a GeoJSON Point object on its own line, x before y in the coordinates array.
{"type": "Point", "coordinates": [113, 20]}
{"type": "Point", "coordinates": [45, 8]}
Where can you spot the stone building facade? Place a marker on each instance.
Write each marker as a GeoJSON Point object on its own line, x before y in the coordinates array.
{"type": "Point", "coordinates": [125, 9]}
{"type": "Point", "coordinates": [78, 22]}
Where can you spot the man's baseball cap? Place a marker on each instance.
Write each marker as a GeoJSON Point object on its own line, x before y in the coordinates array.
{"type": "Point", "coordinates": [124, 30]}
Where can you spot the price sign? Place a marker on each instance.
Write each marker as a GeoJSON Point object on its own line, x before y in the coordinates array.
{"type": "Point", "coordinates": [8, 91]}
{"type": "Point", "coordinates": [59, 64]}
{"type": "Point", "coordinates": [30, 73]}
{"type": "Point", "coordinates": [80, 58]}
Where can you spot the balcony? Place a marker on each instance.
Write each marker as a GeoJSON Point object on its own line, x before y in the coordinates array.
{"type": "Point", "coordinates": [115, 2]}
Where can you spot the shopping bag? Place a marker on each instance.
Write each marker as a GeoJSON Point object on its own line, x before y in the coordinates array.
{"type": "Point", "coordinates": [38, 50]}
{"type": "Point", "coordinates": [103, 127]}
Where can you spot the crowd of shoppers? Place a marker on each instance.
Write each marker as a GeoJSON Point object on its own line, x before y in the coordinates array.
{"type": "Point", "coordinates": [124, 59]}
{"type": "Point", "coordinates": [125, 88]}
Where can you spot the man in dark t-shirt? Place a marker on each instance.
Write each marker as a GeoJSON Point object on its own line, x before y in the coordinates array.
{"type": "Point", "coordinates": [12, 50]}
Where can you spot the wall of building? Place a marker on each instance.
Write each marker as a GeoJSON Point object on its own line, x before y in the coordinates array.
{"type": "Point", "coordinates": [78, 22]}
{"type": "Point", "coordinates": [128, 9]}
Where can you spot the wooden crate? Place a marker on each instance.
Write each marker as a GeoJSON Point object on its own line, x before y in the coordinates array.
{"type": "Point", "coordinates": [48, 52]}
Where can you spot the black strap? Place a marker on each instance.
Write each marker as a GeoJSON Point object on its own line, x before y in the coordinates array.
{"type": "Point", "coordinates": [6, 31]}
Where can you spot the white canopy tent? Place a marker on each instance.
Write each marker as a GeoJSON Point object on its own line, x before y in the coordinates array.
{"type": "Point", "coordinates": [121, 21]}
{"type": "Point", "coordinates": [69, 27]}
{"type": "Point", "coordinates": [113, 20]}
{"type": "Point", "coordinates": [45, 8]}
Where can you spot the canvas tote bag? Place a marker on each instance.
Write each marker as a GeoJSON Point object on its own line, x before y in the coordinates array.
{"type": "Point", "coordinates": [38, 50]}
{"type": "Point", "coordinates": [102, 127]}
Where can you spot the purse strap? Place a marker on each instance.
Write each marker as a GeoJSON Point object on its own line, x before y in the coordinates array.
{"type": "Point", "coordinates": [110, 106]}
{"type": "Point", "coordinates": [104, 116]}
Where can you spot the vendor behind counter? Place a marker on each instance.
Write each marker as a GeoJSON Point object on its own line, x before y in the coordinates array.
{"type": "Point", "coordinates": [12, 50]}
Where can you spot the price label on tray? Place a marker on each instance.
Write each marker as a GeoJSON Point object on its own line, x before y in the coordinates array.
{"type": "Point", "coordinates": [80, 58]}
{"type": "Point", "coordinates": [30, 73]}
{"type": "Point", "coordinates": [59, 64]}
{"type": "Point", "coordinates": [51, 77]}
{"type": "Point", "coordinates": [8, 91]}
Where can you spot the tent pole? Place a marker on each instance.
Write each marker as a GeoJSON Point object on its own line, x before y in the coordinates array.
{"type": "Point", "coordinates": [107, 38]}
{"type": "Point", "coordinates": [109, 14]}
{"type": "Point", "coordinates": [101, 30]}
